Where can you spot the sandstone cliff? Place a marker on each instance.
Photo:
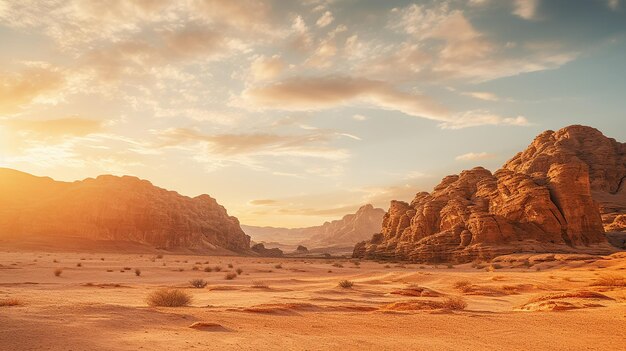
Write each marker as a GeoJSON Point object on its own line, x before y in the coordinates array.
{"type": "Point", "coordinates": [114, 208]}
{"type": "Point", "coordinates": [540, 201]}
{"type": "Point", "coordinates": [344, 232]}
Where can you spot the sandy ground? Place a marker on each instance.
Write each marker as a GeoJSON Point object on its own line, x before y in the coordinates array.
{"type": "Point", "coordinates": [553, 305]}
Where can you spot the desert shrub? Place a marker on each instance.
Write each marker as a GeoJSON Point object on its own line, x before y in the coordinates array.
{"type": "Point", "coordinates": [127, 268]}
{"type": "Point", "coordinates": [198, 283]}
{"type": "Point", "coordinates": [180, 269]}
{"type": "Point", "coordinates": [137, 272]}
{"type": "Point", "coordinates": [239, 271]}
{"type": "Point", "coordinates": [217, 268]}
{"type": "Point", "coordinates": [79, 264]}
{"type": "Point", "coordinates": [387, 266]}
{"type": "Point", "coordinates": [55, 261]}
{"type": "Point", "coordinates": [259, 284]}
{"type": "Point", "coordinates": [57, 272]}
{"type": "Point", "coordinates": [159, 256]}
{"type": "Point", "coordinates": [356, 263]}
{"type": "Point", "coordinates": [168, 297]}
{"type": "Point", "coordinates": [610, 280]}
{"type": "Point", "coordinates": [208, 269]}
{"type": "Point", "coordinates": [463, 285]}
{"type": "Point", "coordinates": [109, 270]}
{"type": "Point", "coordinates": [10, 302]}
{"type": "Point", "coordinates": [449, 266]}
{"type": "Point", "coordinates": [496, 266]}
{"type": "Point", "coordinates": [230, 276]}
{"type": "Point", "coordinates": [278, 266]}
{"type": "Point", "coordinates": [346, 284]}
{"type": "Point", "coordinates": [454, 303]}
{"type": "Point", "coordinates": [338, 265]}
{"type": "Point", "coordinates": [101, 258]}
{"type": "Point", "coordinates": [195, 268]}
{"type": "Point", "coordinates": [230, 265]}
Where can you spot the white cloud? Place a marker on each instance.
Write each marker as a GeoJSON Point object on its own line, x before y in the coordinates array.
{"type": "Point", "coordinates": [476, 118]}
{"type": "Point", "coordinates": [359, 117]}
{"type": "Point", "coordinates": [482, 95]}
{"type": "Point", "coordinates": [473, 156]}
{"type": "Point", "coordinates": [326, 19]}
{"type": "Point", "coordinates": [526, 9]}
{"type": "Point", "coordinates": [613, 4]}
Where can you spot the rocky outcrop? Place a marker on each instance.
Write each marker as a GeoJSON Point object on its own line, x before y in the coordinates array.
{"type": "Point", "coordinates": [605, 159]}
{"type": "Point", "coordinates": [540, 201]}
{"type": "Point", "coordinates": [261, 250]}
{"type": "Point", "coordinates": [114, 208]}
{"type": "Point", "coordinates": [344, 232]}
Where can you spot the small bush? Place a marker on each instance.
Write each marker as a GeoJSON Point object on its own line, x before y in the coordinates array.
{"type": "Point", "coordinates": [338, 265]}
{"type": "Point", "coordinates": [454, 303]}
{"type": "Point", "coordinates": [55, 261]}
{"type": "Point", "coordinates": [109, 270]}
{"type": "Point", "coordinates": [217, 268]}
{"type": "Point", "coordinates": [259, 284]}
{"type": "Point", "coordinates": [387, 266]}
{"type": "Point", "coordinates": [463, 285]}
{"type": "Point", "coordinates": [198, 283]}
{"type": "Point", "coordinates": [610, 280]}
{"type": "Point", "coordinates": [239, 271]}
{"type": "Point", "coordinates": [101, 258]}
{"type": "Point", "coordinates": [168, 297]}
{"type": "Point", "coordinates": [127, 268]}
{"type": "Point", "coordinates": [79, 264]}
{"type": "Point", "coordinates": [137, 272]}
{"type": "Point", "coordinates": [10, 302]}
{"type": "Point", "coordinates": [159, 256]}
{"type": "Point", "coordinates": [230, 265]}
{"type": "Point", "coordinates": [278, 266]}
{"type": "Point", "coordinates": [356, 263]}
{"type": "Point", "coordinates": [208, 269]}
{"type": "Point", "coordinates": [496, 266]}
{"type": "Point", "coordinates": [230, 276]}
{"type": "Point", "coordinates": [346, 284]}
{"type": "Point", "coordinates": [57, 272]}
{"type": "Point", "coordinates": [195, 268]}
{"type": "Point", "coordinates": [450, 266]}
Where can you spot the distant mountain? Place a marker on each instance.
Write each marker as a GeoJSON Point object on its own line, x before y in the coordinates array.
{"type": "Point", "coordinates": [110, 208]}
{"type": "Point", "coordinates": [344, 232]}
{"type": "Point", "coordinates": [559, 195]}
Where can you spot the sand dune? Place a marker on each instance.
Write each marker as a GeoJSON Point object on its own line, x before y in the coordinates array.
{"type": "Point", "coordinates": [99, 303]}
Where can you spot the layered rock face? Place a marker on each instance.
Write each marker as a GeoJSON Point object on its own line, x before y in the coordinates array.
{"type": "Point", "coordinates": [344, 232]}
{"type": "Point", "coordinates": [114, 208]}
{"type": "Point", "coordinates": [540, 201]}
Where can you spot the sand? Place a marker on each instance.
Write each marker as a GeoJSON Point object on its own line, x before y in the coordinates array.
{"type": "Point", "coordinates": [554, 305]}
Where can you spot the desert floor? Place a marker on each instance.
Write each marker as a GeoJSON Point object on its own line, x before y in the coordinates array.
{"type": "Point", "coordinates": [542, 302]}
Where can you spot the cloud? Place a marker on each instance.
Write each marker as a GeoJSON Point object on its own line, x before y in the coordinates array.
{"type": "Point", "coordinates": [358, 117]}
{"type": "Point", "coordinates": [315, 93]}
{"type": "Point", "coordinates": [19, 89]}
{"type": "Point", "coordinates": [326, 19]}
{"type": "Point", "coordinates": [71, 126]}
{"type": "Point", "coordinates": [613, 4]}
{"type": "Point", "coordinates": [472, 156]}
{"type": "Point", "coordinates": [306, 145]}
{"type": "Point", "coordinates": [476, 118]}
{"type": "Point", "coordinates": [526, 9]}
{"type": "Point", "coordinates": [264, 68]}
{"type": "Point", "coordinates": [482, 95]}
{"type": "Point", "coordinates": [264, 202]}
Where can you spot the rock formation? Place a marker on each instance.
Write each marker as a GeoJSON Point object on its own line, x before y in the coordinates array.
{"type": "Point", "coordinates": [542, 200]}
{"type": "Point", "coordinates": [345, 232]}
{"type": "Point", "coordinates": [114, 208]}
{"type": "Point", "coordinates": [263, 251]}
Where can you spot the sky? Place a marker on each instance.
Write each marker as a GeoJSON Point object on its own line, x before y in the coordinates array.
{"type": "Point", "coordinates": [291, 113]}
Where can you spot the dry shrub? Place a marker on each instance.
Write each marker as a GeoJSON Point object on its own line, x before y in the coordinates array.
{"type": "Point", "coordinates": [127, 268]}
{"type": "Point", "coordinates": [259, 284]}
{"type": "Point", "coordinates": [195, 268]}
{"type": "Point", "coordinates": [230, 265]}
{"type": "Point", "coordinates": [278, 266]}
{"type": "Point", "coordinates": [57, 272]}
{"type": "Point", "coordinates": [10, 302]}
{"type": "Point", "coordinates": [168, 297]}
{"type": "Point", "coordinates": [198, 283]}
{"type": "Point", "coordinates": [208, 269]}
{"type": "Point", "coordinates": [137, 272]}
{"type": "Point", "coordinates": [230, 276]}
{"type": "Point", "coordinates": [346, 284]}
{"type": "Point", "coordinates": [159, 256]}
{"type": "Point", "coordinates": [463, 285]}
{"type": "Point", "coordinates": [217, 268]}
{"type": "Point", "coordinates": [338, 265]}
{"type": "Point", "coordinates": [610, 280]}
{"type": "Point", "coordinates": [583, 294]}
{"type": "Point", "coordinates": [454, 303]}
{"type": "Point", "coordinates": [79, 264]}
{"type": "Point", "coordinates": [239, 271]}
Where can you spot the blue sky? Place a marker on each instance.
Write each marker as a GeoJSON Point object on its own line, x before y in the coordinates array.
{"type": "Point", "coordinates": [292, 113]}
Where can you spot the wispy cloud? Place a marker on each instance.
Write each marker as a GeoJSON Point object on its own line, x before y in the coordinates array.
{"type": "Point", "coordinates": [474, 156]}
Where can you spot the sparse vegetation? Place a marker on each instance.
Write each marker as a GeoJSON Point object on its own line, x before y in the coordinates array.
{"type": "Point", "coordinates": [610, 280]}
{"type": "Point", "coordinates": [79, 264]}
{"type": "Point", "coordinates": [127, 268]}
{"type": "Point", "coordinates": [198, 283]}
{"type": "Point", "coordinates": [217, 268]}
{"type": "Point", "coordinates": [463, 285]}
{"type": "Point", "coordinates": [57, 272]}
{"type": "Point", "coordinates": [208, 269]}
{"type": "Point", "coordinates": [278, 266]}
{"type": "Point", "coordinates": [230, 276]}
{"type": "Point", "coordinates": [230, 265]}
{"type": "Point", "coordinates": [159, 256]}
{"type": "Point", "coordinates": [455, 303]}
{"type": "Point", "coordinates": [338, 265]}
{"type": "Point", "coordinates": [195, 268]}
{"type": "Point", "coordinates": [169, 297]}
{"type": "Point", "coordinates": [450, 266]}
{"type": "Point", "coordinates": [109, 270]}
{"type": "Point", "coordinates": [259, 284]}
{"type": "Point", "coordinates": [346, 284]}
{"type": "Point", "coordinates": [137, 271]}
{"type": "Point", "coordinates": [239, 271]}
